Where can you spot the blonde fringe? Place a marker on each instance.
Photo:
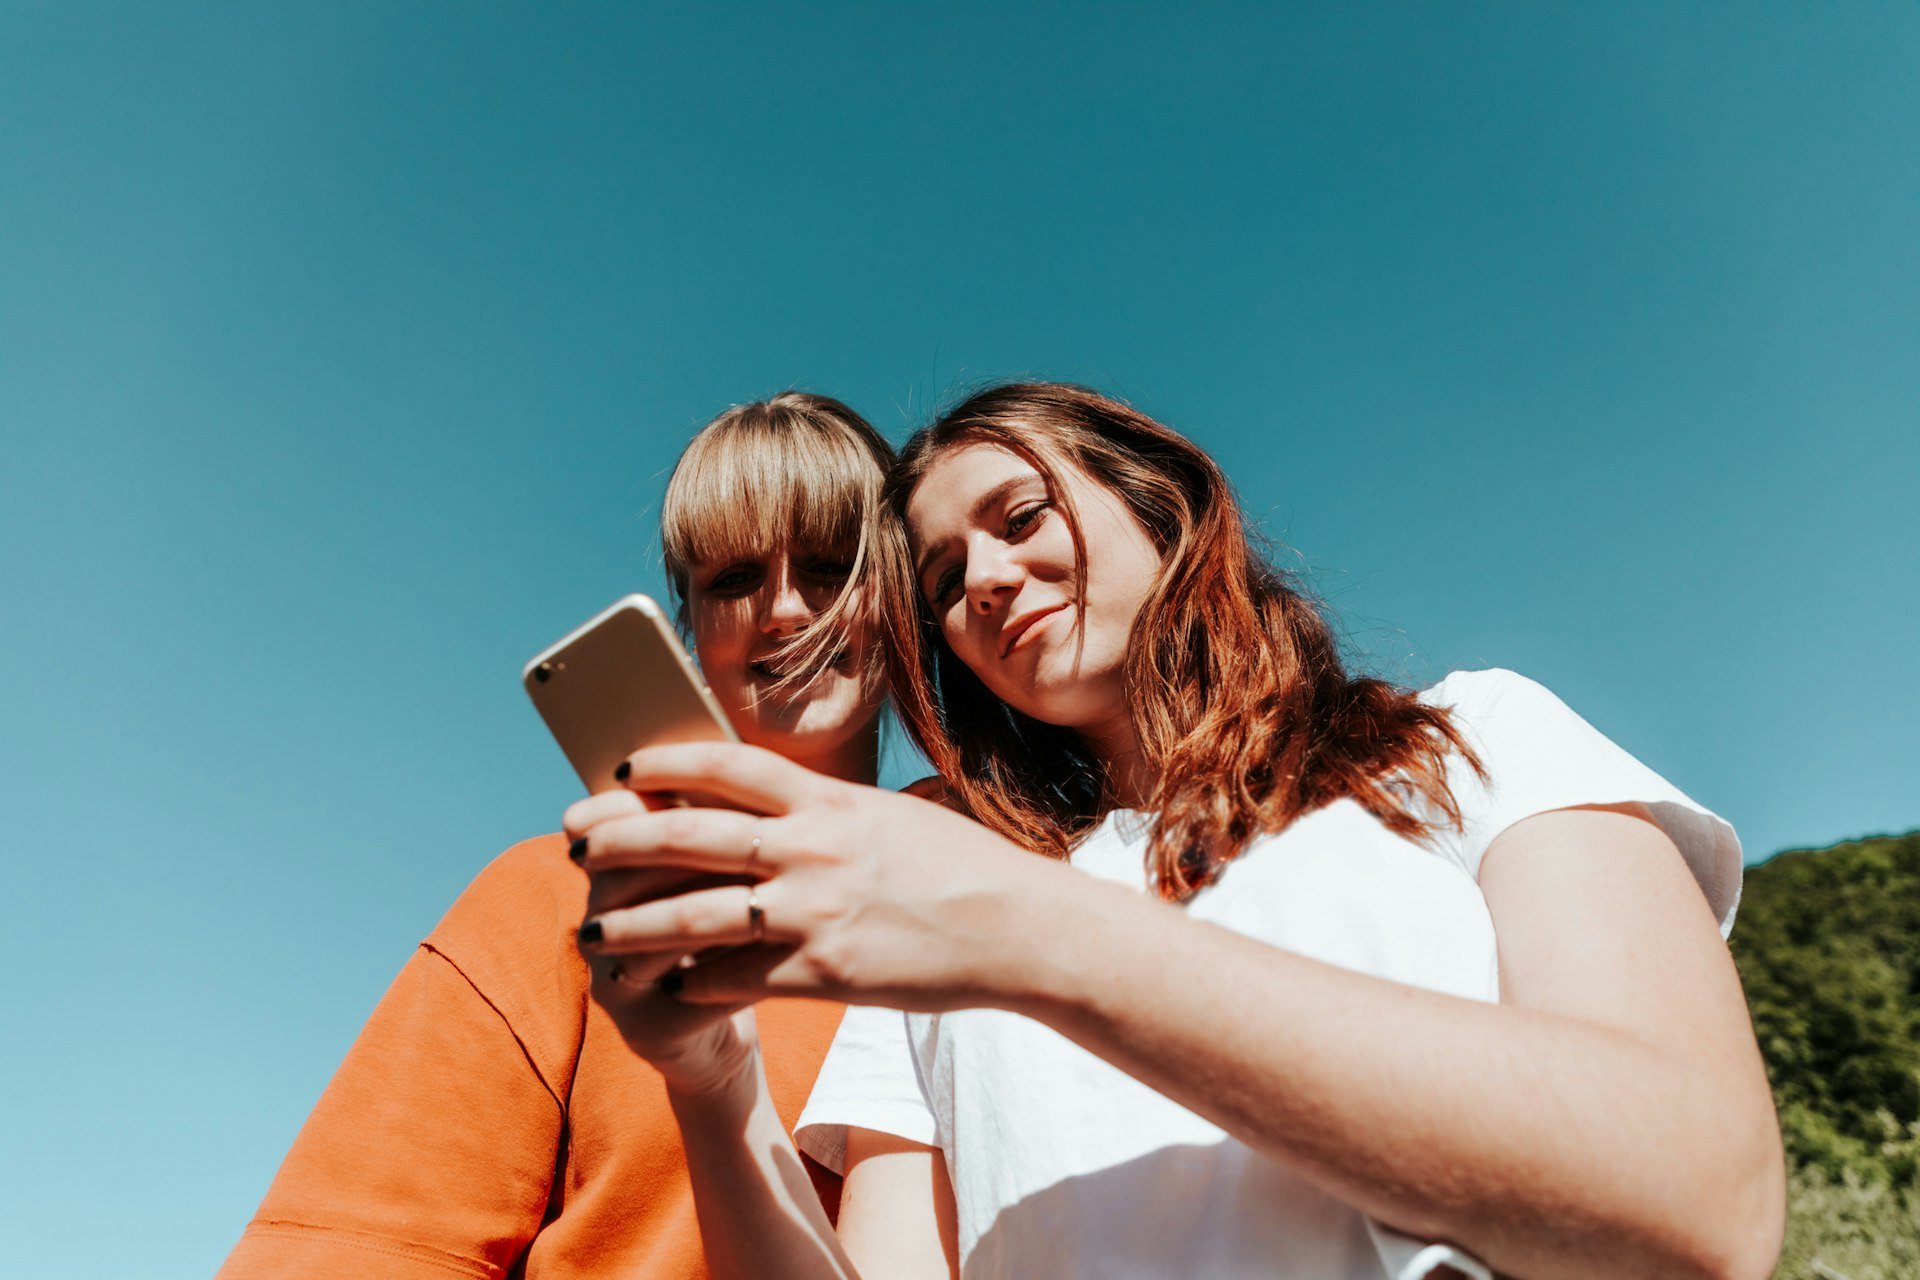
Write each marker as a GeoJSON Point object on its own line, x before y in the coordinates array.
{"type": "Point", "coordinates": [799, 471]}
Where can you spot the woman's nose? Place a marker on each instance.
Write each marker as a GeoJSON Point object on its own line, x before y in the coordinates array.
{"type": "Point", "coordinates": [784, 611]}
{"type": "Point", "coordinates": [992, 577]}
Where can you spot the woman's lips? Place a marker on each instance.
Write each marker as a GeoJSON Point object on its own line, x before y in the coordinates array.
{"type": "Point", "coordinates": [1022, 627]}
{"type": "Point", "coordinates": [775, 669]}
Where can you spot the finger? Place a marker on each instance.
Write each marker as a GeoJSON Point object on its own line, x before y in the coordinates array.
{"type": "Point", "coordinates": [713, 840]}
{"type": "Point", "coordinates": [731, 980]}
{"type": "Point", "coordinates": [750, 777]}
{"type": "Point", "coordinates": [610, 890]}
{"type": "Point", "coordinates": [689, 922]}
{"type": "Point", "coordinates": [650, 967]}
{"type": "Point", "coordinates": [643, 971]}
{"type": "Point", "coordinates": [583, 815]}
{"type": "Point", "coordinates": [793, 972]}
{"type": "Point", "coordinates": [650, 1009]}
{"type": "Point", "coordinates": [640, 971]}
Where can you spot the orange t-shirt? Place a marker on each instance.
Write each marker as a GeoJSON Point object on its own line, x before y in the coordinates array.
{"type": "Point", "coordinates": [491, 1122]}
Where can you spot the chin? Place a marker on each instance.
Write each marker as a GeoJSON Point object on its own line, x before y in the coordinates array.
{"type": "Point", "coordinates": [1072, 703]}
{"type": "Point", "coordinates": [819, 726]}
{"type": "Point", "coordinates": [806, 743]}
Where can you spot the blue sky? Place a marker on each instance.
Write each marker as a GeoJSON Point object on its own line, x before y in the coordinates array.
{"type": "Point", "coordinates": [344, 348]}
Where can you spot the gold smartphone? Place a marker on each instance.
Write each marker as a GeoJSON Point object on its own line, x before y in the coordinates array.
{"type": "Point", "coordinates": [618, 682]}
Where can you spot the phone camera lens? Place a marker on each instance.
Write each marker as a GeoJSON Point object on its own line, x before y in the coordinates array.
{"type": "Point", "coordinates": [543, 672]}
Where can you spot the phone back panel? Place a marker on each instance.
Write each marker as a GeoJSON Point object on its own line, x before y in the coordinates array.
{"type": "Point", "coordinates": [618, 683]}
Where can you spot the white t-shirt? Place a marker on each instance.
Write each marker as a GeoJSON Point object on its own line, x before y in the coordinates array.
{"type": "Point", "coordinates": [1063, 1165]}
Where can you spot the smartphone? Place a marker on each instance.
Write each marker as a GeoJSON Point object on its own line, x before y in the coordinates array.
{"type": "Point", "coordinates": [618, 682]}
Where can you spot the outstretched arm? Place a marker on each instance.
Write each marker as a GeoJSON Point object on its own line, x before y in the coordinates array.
{"type": "Point", "coordinates": [1611, 1118]}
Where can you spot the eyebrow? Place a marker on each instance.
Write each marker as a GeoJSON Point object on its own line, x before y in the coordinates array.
{"type": "Point", "coordinates": [988, 500]}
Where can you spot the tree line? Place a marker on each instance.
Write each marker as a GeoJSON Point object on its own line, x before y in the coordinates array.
{"type": "Point", "coordinates": [1828, 946]}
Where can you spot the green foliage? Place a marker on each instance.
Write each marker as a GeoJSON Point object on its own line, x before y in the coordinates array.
{"type": "Point", "coordinates": [1828, 945]}
{"type": "Point", "coordinates": [1863, 1231]}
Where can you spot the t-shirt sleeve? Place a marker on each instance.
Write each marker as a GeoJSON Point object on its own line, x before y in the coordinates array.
{"type": "Point", "coordinates": [868, 1081]}
{"type": "Point", "coordinates": [432, 1151]}
{"type": "Point", "coordinates": [1539, 756]}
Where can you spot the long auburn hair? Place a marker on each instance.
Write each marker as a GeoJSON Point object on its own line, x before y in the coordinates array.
{"type": "Point", "coordinates": [1233, 677]}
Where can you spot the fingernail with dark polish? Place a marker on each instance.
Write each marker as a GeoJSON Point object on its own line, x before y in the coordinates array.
{"type": "Point", "coordinates": [578, 849]}
{"type": "Point", "coordinates": [671, 981]}
{"type": "Point", "coordinates": [591, 932]}
{"type": "Point", "coordinates": [621, 770]}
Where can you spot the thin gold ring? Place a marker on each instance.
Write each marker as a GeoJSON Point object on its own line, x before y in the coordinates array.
{"type": "Point", "coordinates": [753, 849]}
{"type": "Point", "coordinates": [756, 918]}
{"type": "Point", "coordinates": [617, 971]}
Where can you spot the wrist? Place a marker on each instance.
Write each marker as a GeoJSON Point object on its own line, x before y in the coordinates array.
{"type": "Point", "coordinates": [720, 1074]}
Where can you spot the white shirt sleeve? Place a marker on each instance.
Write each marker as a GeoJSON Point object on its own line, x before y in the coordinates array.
{"type": "Point", "coordinates": [1407, 1258]}
{"type": "Point", "coordinates": [869, 1080]}
{"type": "Point", "coordinates": [1540, 756]}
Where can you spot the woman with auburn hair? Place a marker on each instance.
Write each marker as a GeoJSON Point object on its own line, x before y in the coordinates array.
{"type": "Point", "coordinates": [1312, 976]}
{"type": "Point", "coordinates": [491, 1120]}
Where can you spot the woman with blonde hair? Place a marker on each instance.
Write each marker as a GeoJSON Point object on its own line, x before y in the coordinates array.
{"type": "Point", "coordinates": [1247, 967]}
{"type": "Point", "coordinates": [490, 1119]}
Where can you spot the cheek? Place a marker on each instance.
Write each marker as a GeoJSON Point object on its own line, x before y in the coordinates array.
{"type": "Point", "coordinates": [718, 625]}
{"type": "Point", "coordinates": [953, 629]}
{"type": "Point", "coordinates": [1050, 551]}
{"type": "Point", "coordinates": [1124, 565]}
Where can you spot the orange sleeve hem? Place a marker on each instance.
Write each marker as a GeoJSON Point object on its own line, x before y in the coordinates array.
{"type": "Point", "coordinates": [277, 1247]}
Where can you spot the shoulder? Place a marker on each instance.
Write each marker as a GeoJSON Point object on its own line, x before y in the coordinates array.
{"type": "Point", "coordinates": [511, 934]}
{"type": "Point", "coordinates": [1506, 718]}
{"type": "Point", "coordinates": [1489, 692]}
{"type": "Point", "coordinates": [533, 884]}
{"type": "Point", "coordinates": [1539, 755]}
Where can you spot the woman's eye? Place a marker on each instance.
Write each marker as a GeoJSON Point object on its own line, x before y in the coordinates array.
{"type": "Point", "coordinates": [1022, 519]}
{"type": "Point", "coordinates": [738, 578]}
{"type": "Point", "coordinates": [943, 588]}
{"type": "Point", "coordinates": [831, 570]}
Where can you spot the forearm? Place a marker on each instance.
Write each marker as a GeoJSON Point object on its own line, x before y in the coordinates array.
{"type": "Point", "coordinates": [1546, 1145]}
{"type": "Point", "coordinates": [759, 1213]}
{"type": "Point", "coordinates": [1611, 1118]}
